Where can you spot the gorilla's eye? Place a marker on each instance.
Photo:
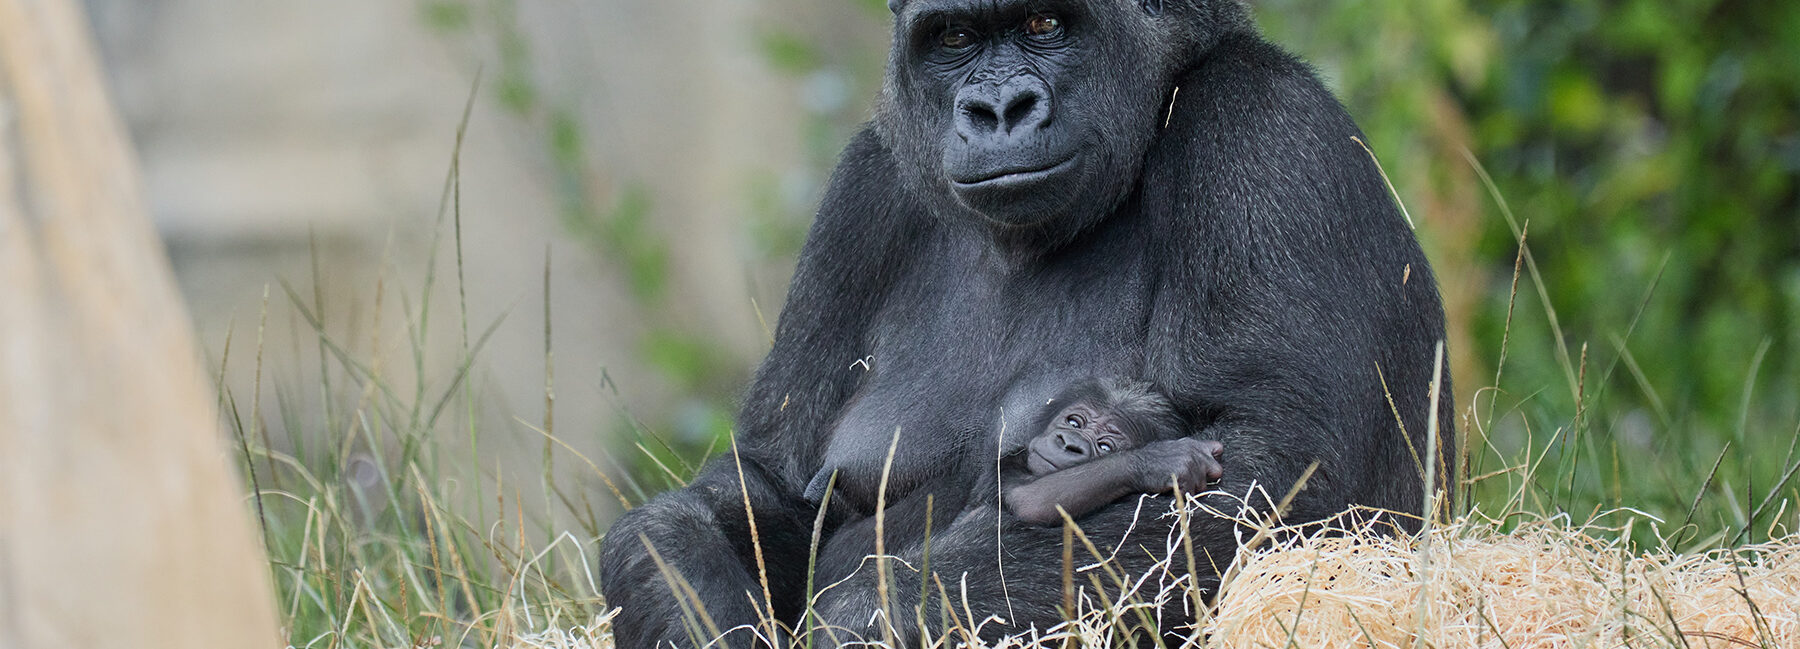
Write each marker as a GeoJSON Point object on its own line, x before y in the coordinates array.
{"type": "Point", "coordinates": [1043, 25]}
{"type": "Point", "coordinates": [1074, 421]}
{"type": "Point", "coordinates": [1104, 446]}
{"type": "Point", "coordinates": [957, 38]}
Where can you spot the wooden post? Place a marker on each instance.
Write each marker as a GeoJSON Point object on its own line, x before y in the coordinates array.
{"type": "Point", "coordinates": [122, 521]}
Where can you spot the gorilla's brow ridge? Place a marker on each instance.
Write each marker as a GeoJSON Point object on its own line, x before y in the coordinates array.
{"type": "Point", "coordinates": [937, 12]}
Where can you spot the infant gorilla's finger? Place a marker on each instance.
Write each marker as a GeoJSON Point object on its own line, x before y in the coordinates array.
{"type": "Point", "coordinates": [1197, 464]}
{"type": "Point", "coordinates": [1214, 448]}
{"type": "Point", "coordinates": [1215, 452]}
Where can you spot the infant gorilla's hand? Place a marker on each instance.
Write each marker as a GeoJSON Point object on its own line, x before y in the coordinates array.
{"type": "Point", "coordinates": [1191, 464]}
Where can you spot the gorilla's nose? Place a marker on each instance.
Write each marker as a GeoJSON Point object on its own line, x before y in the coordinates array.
{"type": "Point", "coordinates": [1072, 446]}
{"type": "Point", "coordinates": [1004, 110]}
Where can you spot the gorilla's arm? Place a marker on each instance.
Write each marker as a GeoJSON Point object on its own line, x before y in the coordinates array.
{"type": "Point", "coordinates": [1085, 487]}
{"type": "Point", "coordinates": [701, 531]}
{"type": "Point", "coordinates": [1295, 287]}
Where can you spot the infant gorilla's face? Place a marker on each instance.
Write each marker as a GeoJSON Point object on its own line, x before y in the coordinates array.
{"type": "Point", "coordinates": [1077, 434]}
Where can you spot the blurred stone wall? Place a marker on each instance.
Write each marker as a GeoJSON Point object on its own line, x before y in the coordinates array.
{"type": "Point", "coordinates": [271, 130]}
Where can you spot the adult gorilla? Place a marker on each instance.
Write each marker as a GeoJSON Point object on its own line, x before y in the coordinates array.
{"type": "Point", "coordinates": [1054, 190]}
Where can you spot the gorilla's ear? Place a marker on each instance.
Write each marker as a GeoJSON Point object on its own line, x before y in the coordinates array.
{"type": "Point", "coordinates": [1152, 7]}
{"type": "Point", "coordinates": [894, 6]}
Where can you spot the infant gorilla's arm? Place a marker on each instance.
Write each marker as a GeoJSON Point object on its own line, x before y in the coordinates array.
{"type": "Point", "coordinates": [1189, 463]}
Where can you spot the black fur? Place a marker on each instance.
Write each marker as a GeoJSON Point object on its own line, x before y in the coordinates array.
{"type": "Point", "coordinates": [1235, 248]}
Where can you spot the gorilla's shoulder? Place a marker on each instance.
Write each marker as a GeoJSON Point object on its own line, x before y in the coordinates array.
{"type": "Point", "coordinates": [866, 157]}
{"type": "Point", "coordinates": [1248, 57]}
{"type": "Point", "coordinates": [1257, 81]}
{"type": "Point", "coordinates": [866, 207]}
{"type": "Point", "coordinates": [865, 181]}
{"type": "Point", "coordinates": [1252, 108]}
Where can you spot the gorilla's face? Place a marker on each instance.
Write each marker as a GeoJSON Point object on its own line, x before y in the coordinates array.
{"type": "Point", "coordinates": [1029, 116]}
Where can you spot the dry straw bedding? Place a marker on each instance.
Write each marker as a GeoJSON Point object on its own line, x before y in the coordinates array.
{"type": "Point", "coordinates": [1545, 585]}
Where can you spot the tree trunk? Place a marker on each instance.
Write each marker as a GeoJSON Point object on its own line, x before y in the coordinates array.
{"type": "Point", "coordinates": [122, 523]}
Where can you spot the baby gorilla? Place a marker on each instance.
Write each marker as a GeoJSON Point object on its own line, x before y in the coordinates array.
{"type": "Point", "coordinates": [1104, 439]}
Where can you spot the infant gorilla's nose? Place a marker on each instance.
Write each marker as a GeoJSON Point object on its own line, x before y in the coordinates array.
{"type": "Point", "coordinates": [1072, 445]}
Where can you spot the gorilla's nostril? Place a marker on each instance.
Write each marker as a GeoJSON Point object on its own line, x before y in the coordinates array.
{"type": "Point", "coordinates": [981, 116]}
{"type": "Point", "coordinates": [1020, 110]}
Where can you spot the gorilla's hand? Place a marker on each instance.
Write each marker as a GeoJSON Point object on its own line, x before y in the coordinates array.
{"type": "Point", "coordinates": [1187, 463]}
{"type": "Point", "coordinates": [820, 483]}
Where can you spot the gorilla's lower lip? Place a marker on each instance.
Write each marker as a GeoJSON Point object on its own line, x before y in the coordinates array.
{"type": "Point", "coordinates": [1013, 178]}
{"type": "Point", "coordinates": [1036, 459]}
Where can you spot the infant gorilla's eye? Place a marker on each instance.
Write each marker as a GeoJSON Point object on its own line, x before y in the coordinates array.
{"type": "Point", "coordinates": [956, 38]}
{"type": "Point", "coordinates": [1043, 25]}
{"type": "Point", "coordinates": [1074, 421]}
{"type": "Point", "coordinates": [1105, 447]}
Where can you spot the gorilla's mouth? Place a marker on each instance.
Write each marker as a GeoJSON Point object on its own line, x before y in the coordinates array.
{"type": "Point", "coordinates": [1039, 465]}
{"type": "Point", "coordinates": [1011, 178]}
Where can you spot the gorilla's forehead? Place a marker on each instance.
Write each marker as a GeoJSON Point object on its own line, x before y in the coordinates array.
{"type": "Point", "coordinates": [916, 10]}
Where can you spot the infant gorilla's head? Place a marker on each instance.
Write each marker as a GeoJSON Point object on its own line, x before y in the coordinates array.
{"type": "Point", "coordinates": [1097, 417]}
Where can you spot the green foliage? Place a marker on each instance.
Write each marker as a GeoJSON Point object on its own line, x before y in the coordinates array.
{"type": "Point", "coordinates": [1634, 130]}
{"type": "Point", "coordinates": [1654, 149]}
{"type": "Point", "coordinates": [789, 52]}
{"type": "Point", "coordinates": [445, 15]}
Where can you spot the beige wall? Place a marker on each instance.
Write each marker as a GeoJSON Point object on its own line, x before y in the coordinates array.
{"type": "Point", "coordinates": [262, 125]}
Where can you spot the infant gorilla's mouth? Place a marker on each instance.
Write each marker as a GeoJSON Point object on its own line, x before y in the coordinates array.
{"type": "Point", "coordinates": [1039, 465]}
{"type": "Point", "coordinates": [1014, 177]}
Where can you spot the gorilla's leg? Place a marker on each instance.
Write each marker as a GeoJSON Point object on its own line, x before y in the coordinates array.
{"type": "Point", "coordinates": [965, 562]}
{"type": "Point", "coordinates": [703, 540]}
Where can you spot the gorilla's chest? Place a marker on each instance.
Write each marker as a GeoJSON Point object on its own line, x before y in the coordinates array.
{"type": "Point", "coordinates": [962, 357]}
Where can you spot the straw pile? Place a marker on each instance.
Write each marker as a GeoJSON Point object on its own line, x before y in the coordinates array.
{"type": "Point", "coordinates": [1466, 586]}
{"type": "Point", "coordinates": [1543, 586]}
